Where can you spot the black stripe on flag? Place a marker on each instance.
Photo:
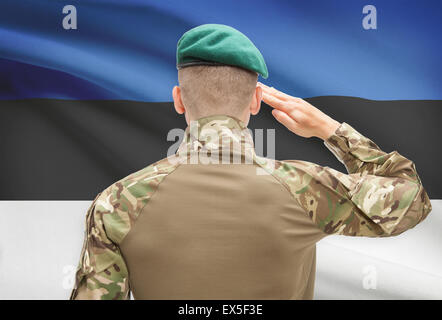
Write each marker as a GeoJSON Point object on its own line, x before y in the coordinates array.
{"type": "Point", "coordinates": [73, 149]}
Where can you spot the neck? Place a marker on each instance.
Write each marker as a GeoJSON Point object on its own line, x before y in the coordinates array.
{"type": "Point", "coordinates": [217, 132]}
{"type": "Point", "coordinates": [244, 118]}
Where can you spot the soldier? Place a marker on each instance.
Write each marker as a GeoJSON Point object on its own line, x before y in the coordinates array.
{"type": "Point", "coordinates": [201, 229]}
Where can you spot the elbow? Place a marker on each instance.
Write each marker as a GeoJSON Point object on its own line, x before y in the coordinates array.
{"type": "Point", "coordinates": [416, 213]}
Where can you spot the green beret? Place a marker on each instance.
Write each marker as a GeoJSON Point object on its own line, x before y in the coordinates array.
{"type": "Point", "coordinates": [217, 44]}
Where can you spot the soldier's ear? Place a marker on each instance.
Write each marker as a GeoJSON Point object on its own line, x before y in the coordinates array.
{"type": "Point", "coordinates": [178, 103]}
{"type": "Point", "coordinates": [255, 104]}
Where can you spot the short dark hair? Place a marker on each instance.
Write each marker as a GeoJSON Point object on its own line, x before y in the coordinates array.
{"type": "Point", "coordinates": [209, 90]}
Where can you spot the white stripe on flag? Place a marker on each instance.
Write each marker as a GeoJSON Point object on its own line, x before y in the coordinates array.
{"type": "Point", "coordinates": [40, 243]}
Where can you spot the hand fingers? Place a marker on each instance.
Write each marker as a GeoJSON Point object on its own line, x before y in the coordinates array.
{"type": "Point", "coordinates": [274, 92]}
{"type": "Point", "coordinates": [276, 103]}
{"type": "Point", "coordinates": [285, 120]}
{"type": "Point", "coordinates": [279, 94]}
{"type": "Point", "coordinates": [266, 88]}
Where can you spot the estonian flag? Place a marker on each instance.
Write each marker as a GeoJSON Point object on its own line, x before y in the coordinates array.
{"type": "Point", "coordinates": [85, 85]}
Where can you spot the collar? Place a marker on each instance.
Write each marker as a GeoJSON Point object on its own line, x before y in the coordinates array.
{"type": "Point", "coordinates": [217, 134]}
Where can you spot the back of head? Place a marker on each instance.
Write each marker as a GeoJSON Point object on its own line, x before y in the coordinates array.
{"type": "Point", "coordinates": [212, 90]}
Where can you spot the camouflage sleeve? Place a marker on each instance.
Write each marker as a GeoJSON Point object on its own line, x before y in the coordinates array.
{"type": "Point", "coordinates": [380, 196]}
{"type": "Point", "coordinates": [102, 272]}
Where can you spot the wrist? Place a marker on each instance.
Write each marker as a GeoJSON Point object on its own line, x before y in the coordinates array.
{"type": "Point", "coordinates": [328, 128]}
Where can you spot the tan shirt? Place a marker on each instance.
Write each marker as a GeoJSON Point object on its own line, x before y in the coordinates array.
{"type": "Point", "coordinates": [215, 221]}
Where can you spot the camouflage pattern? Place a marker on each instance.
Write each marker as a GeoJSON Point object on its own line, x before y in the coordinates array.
{"type": "Point", "coordinates": [214, 139]}
{"type": "Point", "coordinates": [381, 195]}
{"type": "Point", "coordinates": [102, 272]}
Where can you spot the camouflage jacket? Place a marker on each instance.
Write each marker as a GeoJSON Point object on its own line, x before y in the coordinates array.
{"type": "Point", "coordinates": [380, 196]}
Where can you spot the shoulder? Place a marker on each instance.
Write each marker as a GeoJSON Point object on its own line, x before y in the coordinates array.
{"type": "Point", "coordinates": [119, 205]}
{"type": "Point", "coordinates": [308, 182]}
{"type": "Point", "coordinates": [297, 175]}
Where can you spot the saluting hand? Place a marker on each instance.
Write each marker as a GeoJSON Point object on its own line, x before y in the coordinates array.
{"type": "Point", "coordinates": [298, 115]}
